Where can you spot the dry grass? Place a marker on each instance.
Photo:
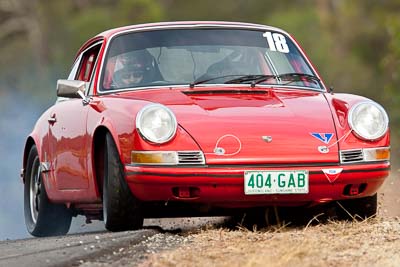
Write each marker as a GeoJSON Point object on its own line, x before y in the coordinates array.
{"type": "Point", "coordinates": [373, 242]}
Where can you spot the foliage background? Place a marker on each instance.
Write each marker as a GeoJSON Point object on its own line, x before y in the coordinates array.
{"type": "Point", "coordinates": [355, 45]}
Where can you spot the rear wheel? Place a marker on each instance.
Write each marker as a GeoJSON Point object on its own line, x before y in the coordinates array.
{"type": "Point", "coordinates": [358, 208]}
{"type": "Point", "coordinates": [42, 218]}
{"type": "Point", "coordinates": [121, 211]}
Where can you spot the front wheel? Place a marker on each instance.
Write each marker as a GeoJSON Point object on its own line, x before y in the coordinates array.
{"type": "Point", "coordinates": [358, 208]}
{"type": "Point", "coordinates": [121, 210]}
{"type": "Point", "coordinates": [42, 218]}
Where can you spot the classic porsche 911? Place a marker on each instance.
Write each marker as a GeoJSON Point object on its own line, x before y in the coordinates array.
{"type": "Point", "coordinates": [198, 118]}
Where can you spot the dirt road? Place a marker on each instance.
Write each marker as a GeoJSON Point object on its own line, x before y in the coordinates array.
{"type": "Point", "coordinates": [66, 251]}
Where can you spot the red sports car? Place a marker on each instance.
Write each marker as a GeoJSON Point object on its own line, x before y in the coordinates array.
{"type": "Point", "coordinates": [198, 118]}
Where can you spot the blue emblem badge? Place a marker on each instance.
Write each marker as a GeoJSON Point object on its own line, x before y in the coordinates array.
{"type": "Point", "coordinates": [324, 137]}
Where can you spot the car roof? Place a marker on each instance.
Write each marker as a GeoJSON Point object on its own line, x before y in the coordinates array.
{"type": "Point", "coordinates": [176, 24]}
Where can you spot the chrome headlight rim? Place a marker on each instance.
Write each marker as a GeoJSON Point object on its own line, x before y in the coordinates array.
{"type": "Point", "coordinates": [357, 132]}
{"type": "Point", "coordinates": [139, 123]}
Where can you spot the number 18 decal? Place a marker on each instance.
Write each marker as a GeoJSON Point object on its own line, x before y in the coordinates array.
{"type": "Point", "coordinates": [276, 42]}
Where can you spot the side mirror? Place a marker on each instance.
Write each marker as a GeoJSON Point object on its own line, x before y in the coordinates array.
{"type": "Point", "coordinates": [71, 88]}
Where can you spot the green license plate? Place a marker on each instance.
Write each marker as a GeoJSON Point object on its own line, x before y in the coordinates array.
{"type": "Point", "coordinates": [275, 182]}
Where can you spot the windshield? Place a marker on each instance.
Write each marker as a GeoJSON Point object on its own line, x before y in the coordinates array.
{"type": "Point", "coordinates": [213, 56]}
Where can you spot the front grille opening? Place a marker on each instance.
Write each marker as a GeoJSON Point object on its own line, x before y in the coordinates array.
{"type": "Point", "coordinates": [186, 192]}
{"type": "Point", "coordinates": [354, 189]}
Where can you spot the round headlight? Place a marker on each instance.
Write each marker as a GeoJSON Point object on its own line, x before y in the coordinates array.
{"type": "Point", "coordinates": [156, 123]}
{"type": "Point", "coordinates": [368, 120]}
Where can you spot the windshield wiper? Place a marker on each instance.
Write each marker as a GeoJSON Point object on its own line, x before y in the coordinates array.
{"type": "Point", "coordinates": [259, 78]}
{"type": "Point", "coordinates": [299, 77]}
{"type": "Point", "coordinates": [212, 78]}
{"type": "Point", "coordinates": [254, 79]}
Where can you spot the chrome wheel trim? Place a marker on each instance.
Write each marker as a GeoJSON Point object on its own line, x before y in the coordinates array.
{"type": "Point", "coordinates": [34, 190]}
{"type": "Point", "coordinates": [105, 201]}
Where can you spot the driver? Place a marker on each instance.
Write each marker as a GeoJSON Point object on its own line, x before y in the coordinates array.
{"type": "Point", "coordinates": [129, 75]}
{"type": "Point", "coordinates": [134, 68]}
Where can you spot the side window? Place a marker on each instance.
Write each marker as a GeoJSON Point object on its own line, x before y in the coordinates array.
{"type": "Point", "coordinates": [74, 69]}
{"type": "Point", "coordinates": [84, 65]}
{"type": "Point", "coordinates": [87, 63]}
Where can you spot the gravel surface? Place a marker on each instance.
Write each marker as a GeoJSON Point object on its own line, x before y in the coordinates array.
{"type": "Point", "coordinates": [373, 242]}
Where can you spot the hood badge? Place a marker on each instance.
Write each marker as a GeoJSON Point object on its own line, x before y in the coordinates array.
{"type": "Point", "coordinates": [267, 138]}
{"type": "Point", "coordinates": [324, 137]}
{"type": "Point", "coordinates": [323, 149]}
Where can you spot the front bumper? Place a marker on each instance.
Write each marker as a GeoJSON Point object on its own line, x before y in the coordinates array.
{"type": "Point", "coordinates": [223, 186]}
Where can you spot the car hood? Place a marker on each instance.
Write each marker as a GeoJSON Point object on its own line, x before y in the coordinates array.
{"type": "Point", "coordinates": [258, 126]}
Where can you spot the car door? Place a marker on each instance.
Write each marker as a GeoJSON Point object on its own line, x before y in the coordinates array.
{"type": "Point", "coordinates": [69, 140]}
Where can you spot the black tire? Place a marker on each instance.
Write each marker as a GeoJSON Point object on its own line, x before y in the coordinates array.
{"type": "Point", "coordinates": [42, 218]}
{"type": "Point", "coordinates": [358, 208]}
{"type": "Point", "coordinates": [121, 211]}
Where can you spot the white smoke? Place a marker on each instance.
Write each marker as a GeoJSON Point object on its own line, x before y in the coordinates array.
{"type": "Point", "coordinates": [17, 117]}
